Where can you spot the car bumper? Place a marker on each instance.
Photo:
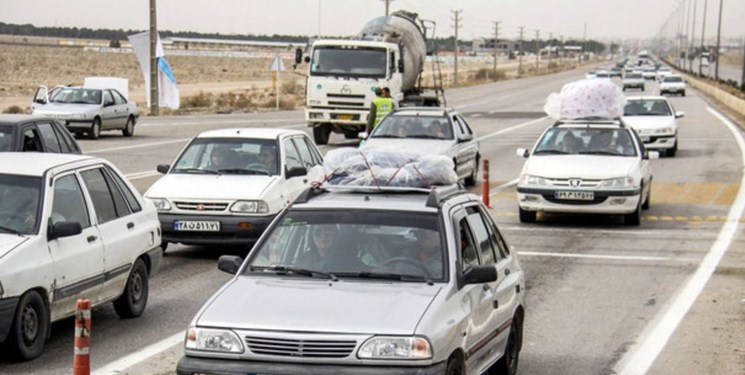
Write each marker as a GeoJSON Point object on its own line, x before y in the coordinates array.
{"type": "Point", "coordinates": [7, 311]}
{"type": "Point", "coordinates": [234, 230]}
{"type": "Point", "coordinates": [193, 365]}
{"type": "Point", "coordinates": [79, 125]}
{"type": "Point", "coordinates": [659, 142]}
{"type": "Point", "coordinates": [633, 85]}
{"type": "Point", "coordinates": [672, 89]}
{"type": "Point", "coordinates": [606, 202]}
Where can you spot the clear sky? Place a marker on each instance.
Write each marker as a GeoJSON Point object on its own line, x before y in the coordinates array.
{"type": "Point", "coordinates": [605, 18]}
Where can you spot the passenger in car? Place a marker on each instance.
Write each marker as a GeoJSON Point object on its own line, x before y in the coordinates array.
{"type": "Point", "coordinates": [570, 144]}
{"type": "Point", "coordinates": [268, 158]}
{"type": "Point", "coordinates": [321, 239]}
{"type": "Point", "coordinates": [219, 158]}
{"type": "Point", "coordinates": [429, 251]}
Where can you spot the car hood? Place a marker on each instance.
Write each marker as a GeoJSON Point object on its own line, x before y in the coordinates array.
{"type": "Point", "coordinates": [63, 108]}
{"type": "Point", "coordinates": [419, 146]}
{"type": "Point", "coordinates": [580, 166]}
{"type": "Point", "coordinates": [8, 242]}
{"type": "Point", "coordinates": [304, 305]}
{"type": "Point", "coordinates": [649, 122]}
{"type": "Point", "coordinates": [190, 186]}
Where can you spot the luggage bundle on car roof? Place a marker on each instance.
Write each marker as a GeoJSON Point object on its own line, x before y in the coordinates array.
{"type": "Point", "coordinates": [586, 99]}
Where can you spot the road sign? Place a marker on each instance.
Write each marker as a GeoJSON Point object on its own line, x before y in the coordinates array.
{"type": "Point", "coordinates": [277, 65]}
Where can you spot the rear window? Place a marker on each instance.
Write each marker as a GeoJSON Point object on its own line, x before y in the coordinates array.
{"type": "Point", "coordinates": [405, 126]}
{"type": "Point", "coordinates": [634, 75]}
{"type": "Point", "coordinates": [672, 79]}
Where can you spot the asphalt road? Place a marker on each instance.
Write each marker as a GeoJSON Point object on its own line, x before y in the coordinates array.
{"type": "Point", "coordinates": [595, 287]}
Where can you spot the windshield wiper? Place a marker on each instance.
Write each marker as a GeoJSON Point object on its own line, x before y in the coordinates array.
{"type": "Point", "coordinates": [10, 230]}
{"type": "Point", "coordinates": [385, 136]}
{"type": "Point", "coordinates": [196, 170]}
{"type": "Point", "coordinates": [243, 171]}
{"type": "Point", "coordinates": [598, 152]}
{"type": "Point", "coordinates": [423, 136]}
{"type": "Point", "coordinates": [283, 270]}
{"type": "Point", "coordinates": [384, 276]}
{"type": "Point", "coordinates": [551, 151]}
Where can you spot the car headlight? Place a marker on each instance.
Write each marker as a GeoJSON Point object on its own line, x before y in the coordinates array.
{"type": "Point", "coordinates": [533, 180]}
{"type": "Point", "coordinates": [382, 347]}
{"type": "Point", "coordinates": [79, 116]}
{"type": "Point", "coordinates": [667, 130]}
{"type": "Point", "coordinates": [161, 204]}
{"type": "Point", "coordinates": [251, 207]}
{"type": "Point", "coordinates": [213, 340]}
{"type": "Point", "coordinates": [617, 183]}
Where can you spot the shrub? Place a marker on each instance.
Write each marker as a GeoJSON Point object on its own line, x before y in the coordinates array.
{"type": "Point", "coordinates": [14, 109]}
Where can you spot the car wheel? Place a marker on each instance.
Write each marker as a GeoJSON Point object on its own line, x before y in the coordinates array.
{"type": "Point", "coordinates": [164, 246]}
{"type": "Point", "coordinates": [683, 93]}
{"type": "Point", "coordinates": [672, 151]}
{"type": "Point", "coordinates": [473, 178]}
{"type": "Point", "coordinates": [132, 302]}
{"type": "Point", "coordinates": [321, 134]}
{"type": "Point", "coordinates": [634, 218]}
{"type": "Point", "coordinates": [350, 134]}
{"type": "Point", "coordinates": [95, 131]}
{"type": "Point", "coordinates": [643, 88]}
{"type": "Point", "coordinates": [648, 201]}
{"type": "Point", "coordinates": [28, 331]}
{"type": "Point", "coordinates": [624, 89]}
{"type": "Point", "coordinates": [456, 366]}
{"type": "Point", "coordinates": [527, 216]}
{"type": "Point", "coordinates": [507, 365]}
{"type": "Point", "coordinates": [129, 129]}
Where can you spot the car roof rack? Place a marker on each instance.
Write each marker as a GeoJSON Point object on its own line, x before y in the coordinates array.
{"type": "Point", "coordinates": [436, 194]}
{"type": "Point", "coordinates": [593, 120]}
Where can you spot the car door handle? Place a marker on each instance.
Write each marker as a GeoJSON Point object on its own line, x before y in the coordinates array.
{"type": "Point", "coordinates": [486, 287]}
{"type": "Point", "coordinates": [130, 225]}
{"type": "Point", "coordinates": [305, 181]}
{"type": "Point", "coordinates": [507, 271]}
{"type": "Point", "coordinates": [92, 238]}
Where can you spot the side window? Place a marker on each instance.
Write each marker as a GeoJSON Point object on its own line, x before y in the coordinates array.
{"type": "Point", "coordinates": [467, 245]}
{"type": "Point", "coordinates": [458, 126]}
{"type": "Point", "coordinates": [308, 161]}
{"type": "Point", "coordinates": [68, 203]}
{"type": "Point", "coordinates": [65, 139]}
{"type": "Point", "coordinates": [480, 233]}
{"type": "Point", "coordinates": [31, 140]}
{"type": "Point", "coordinates": [50, 139]}
{"type": "Point", "coordinates": [317, 158]}
{"type": "Point", "coordinates": [464, 125]}
{"type": "Point", "coordinates": [118, 98]}
{"type": "Point", "coordinates": [497, 241]}
{"type": "Point", "coordinates": [108, 206]}
{"type": "Point", "coordinates": [134, 204]}
{"type": "Point", "coordinates": [107, 99]}
{"type": "Point", "coordinates": [292, 157]}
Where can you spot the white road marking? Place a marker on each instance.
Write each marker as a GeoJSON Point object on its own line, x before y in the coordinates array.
{"type": "Point", "coordinates": [511, 128]}
{"type": "Point", "coordinates": [590, 256]}
{"type": "Point", "coordinates": [104, 150]}
{"type": "Point", "coordinates": [476, 115]}
{"type": "Point", "coordinates": [654, 338]}
{"type": "Point", "coordinates": [139, 175]}
{"type": "Point", "coordinates": [120, 364]}
{"type": "Point", "coordinates": [691, 234]}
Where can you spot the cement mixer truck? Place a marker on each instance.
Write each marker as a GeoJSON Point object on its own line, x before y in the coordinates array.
{"type": "Point", "coordinates": [342, 74]}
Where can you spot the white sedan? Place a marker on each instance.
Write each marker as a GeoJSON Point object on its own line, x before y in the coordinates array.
{"type": "Point", "coordinates": [654, 118]}
{"type": "Point", "coordinates": [586, 167]}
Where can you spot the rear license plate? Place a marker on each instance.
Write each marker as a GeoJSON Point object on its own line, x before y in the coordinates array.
{"type": "Point", "coordinates": [345, 117]}
{"type": "Point", "coordinates": [196, 226]}
{"type": "Point", "coordinates": [575, 195]}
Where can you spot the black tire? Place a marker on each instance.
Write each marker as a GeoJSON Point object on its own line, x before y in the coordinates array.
{"type": "Point", "coordinates": [507, 365]}
{"type": "Point", "coordinates": [350, 134]}
{"type": "Point", "coordinates": [683, 93]}
{"type": "Point", "coordinates": [527, 216]}
{"type": "Point", "coordinates": [321, 134]}
{"type": "Point", "coordinates": [95, 131]}
{"type": "Point", "coordinates": [134, 299]}
{"type": "Point", "coordinates": [643, 88]}
{"type": "Point", "coordinates": [672, 151]}
{"type": "Point", "coordinates": [129, 128]}
{"type": "Point", "coordinates": [473, 178]}
{"type": "Point", "coordinates": [164, 246]}
{"type": "Point", "coordinates": [624, 88]}
{"type": "Point", "coordinates": [456, 366]}
{"type": "Point", "coordinates": [28, 331]}
{"type": "Point", "coordinates": [646, 204]}
{"type": "Point", "coordinates": [635, 218]}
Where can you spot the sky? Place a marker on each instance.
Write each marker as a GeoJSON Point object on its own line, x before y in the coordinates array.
{"type": "Point", "coordinates": [605, 19]}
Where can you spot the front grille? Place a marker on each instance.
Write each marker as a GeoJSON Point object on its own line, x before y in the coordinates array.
{"type": "Point", "coordinates": [201, 206]}
{"type": "Point", "coordinates": [347, 104]}
{"type": "Point", "coordinates": [553, 199]}
{"type": "Point", "coordinates": [300, 348]}
{"type": "Point", "coordinates": [584, 184]}
{"type": "Point", "coordinates": [345, 96]}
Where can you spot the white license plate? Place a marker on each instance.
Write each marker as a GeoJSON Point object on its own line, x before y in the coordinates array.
{"type": "Point", "coordinates": [575, 195]}
{"type": "Point", "coordinates": [196, 226]}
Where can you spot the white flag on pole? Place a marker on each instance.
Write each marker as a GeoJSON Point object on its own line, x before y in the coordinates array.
{"type": "Point", "coordinates": [168, 93]}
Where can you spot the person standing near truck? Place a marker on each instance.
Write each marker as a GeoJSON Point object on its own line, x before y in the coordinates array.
{"type": "Point", "coordinates": [380, 106]}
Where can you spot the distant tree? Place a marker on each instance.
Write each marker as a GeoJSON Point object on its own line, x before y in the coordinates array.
{"type": "Point", "coordinates": [115, 43]}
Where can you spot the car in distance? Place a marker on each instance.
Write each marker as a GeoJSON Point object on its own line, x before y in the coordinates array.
{"type": "Point", "coordinates": [391, 281]}
{"type": "Point", "coordinates": [591, 75]}
{"type": "Point", "coordinates": [87, 110]}
{"type": "Point", "coordinates": [655, 120]}
{"type": "Point", "coordinates": [663, 72]}
{"type": "Point", "coordinates": [430, 130]}
{"type": "Point", "coordinates": [673, 84]}
{"type": "Point", "coordinates": [649, 72]}
{"type": "Point", "coordinates": [633, 80]}
{"type": "Point", "coordinates": [71, 227]}
{"type": "Point", "coordinates": [586, 166]}
{"type": "Point", "coordinates": [227, 185]}
{"type": "Point", "coordinates": [35, 134]}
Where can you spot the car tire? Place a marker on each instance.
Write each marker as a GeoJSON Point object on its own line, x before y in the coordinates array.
{"type": "Point", "coordinates": [95, 131]}
{"type": "Point", "coordinates": [129, 128]}
{"type": "Point", "coordinates": [163, 246]}
{"type": "Point", "coordinates": [473, 178]}
{"type": "Point", "coordinates": [648, 201]}
{"type": "Point", "coordinates": [634, 218]}
{"type": "Point", "coordinates": [624, 88]}
{"type": "Point", "coordinates": [683, 93]}
{"type": "Point", "coordinates": [643, 88]}
{"type": "Point", "coordinates": [507, 365]}
{"type": "Point", "coordinates": [456, 366]}
{"type": "Point", "coordinates": [134, 299]}
{"type": "Point", "coordinates": [527, 216]}
{"type": "Point", "coordinates": [350, 134]}
{"type": "Point", "coordinates": [29, 328]}
{"type": "Point", "coordinates": [321, 134]}
{"type": "Point", "coordinates": [672, 151]}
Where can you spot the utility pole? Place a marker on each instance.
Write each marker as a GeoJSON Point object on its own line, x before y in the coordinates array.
{"type": "Point", "coordinates": [154, 108]}
{"type": "Point", "coordinates": [703, 32]}
{"type": "Point", "coordinates": [550, 42]}
{"type": "Point", "coordinates": [387, 6]}
{"type": "Point", "coordinates": [496, 46]}
{"type": "Point", "coordinates": [693, 33]}
{"type": "Point", "coordinates": [520, 54]}
{"type": "Point", "coordinates": [584, 43]}
{"type": "Point", "coordinates": [742, 79]}
{"type": "Point", "coordinates": [537, 49]}
{"type": "Point", "coordinates": [457, 18]}
{"type": "Point", "coordinates": [719, 34]}
{"type": "Point", "coordinates": [684, 41]}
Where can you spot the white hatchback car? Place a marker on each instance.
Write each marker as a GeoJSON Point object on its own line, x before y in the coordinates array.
{"type": "Point", "coordinates": [654, 118]}
{"type": "Point", "coordinates": [591, 166]}
{"type": "Point", "coordinates": [70, 227]}
{"type": "Point", "coordinates": [227, 185]}
{"type": "Point", "coordinates": [430, 130]}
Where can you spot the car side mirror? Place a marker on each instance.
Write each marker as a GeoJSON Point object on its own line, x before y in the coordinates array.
{"type": "Point", "coordinates": [64, 229]}
{"type": "Point", "coordinates": [296, 172]}
{"type": "Point", "coordinates": [108, 104]}
{"type": "Point", "coordinates": [41, 101]}
{"type": "Point", "coordinates": [362, 135]}
{"type": "Point", "coordinates": [229, 263]}
{"type": "Point", "coordinates": [679, 114]}
{"type": "Point", "coordinates": [522, 152]}
{"type": "Point", "coordinates": [479, 275]}
{"type": "Point", "coordinates": [307, 59]}
{"type": "Point", "coordinates": [298, 56]}
{"type": "Point", "coordinates": [163, 168]}
{"type": "Point", "coordinates": [465, 137]}
{"type": "Point", "coordinates": [653, 155]}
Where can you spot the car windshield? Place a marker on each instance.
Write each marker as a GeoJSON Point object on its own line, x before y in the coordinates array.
{"type": "Point", "coordinates": [395, 245]}
{"type": "Point", "coordinates": [589, 141]}
{"type": "Point", "coordinates": [19, 203]}
{"type": "Point", "coordinates": [647, 107]}
{"type": "Point", "coordinates": [71, 95]}
{"type": "Point", "coordinates": [634, 76]}
{"type": "Point", "coordinates": [405, 126]}
{"type": "Point", "coordinates": [355, 62]}
{"type": "Point", "coordinates": [229, 156]}
{"type": "Point", "coordinates": [6, 138]}
{"type": "Point", "coordinates": [672, 79]}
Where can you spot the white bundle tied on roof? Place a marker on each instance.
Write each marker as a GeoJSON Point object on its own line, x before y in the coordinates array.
{"type": "Point", "coordinates": [586, 98]}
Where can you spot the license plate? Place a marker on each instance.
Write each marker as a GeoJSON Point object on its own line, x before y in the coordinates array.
{"type": "Point", "coordinates": [345, 117]}
{"type": "Point", "coordinates": [575, 195]}
{"type": "Point", "coordinates": [196, 226]}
